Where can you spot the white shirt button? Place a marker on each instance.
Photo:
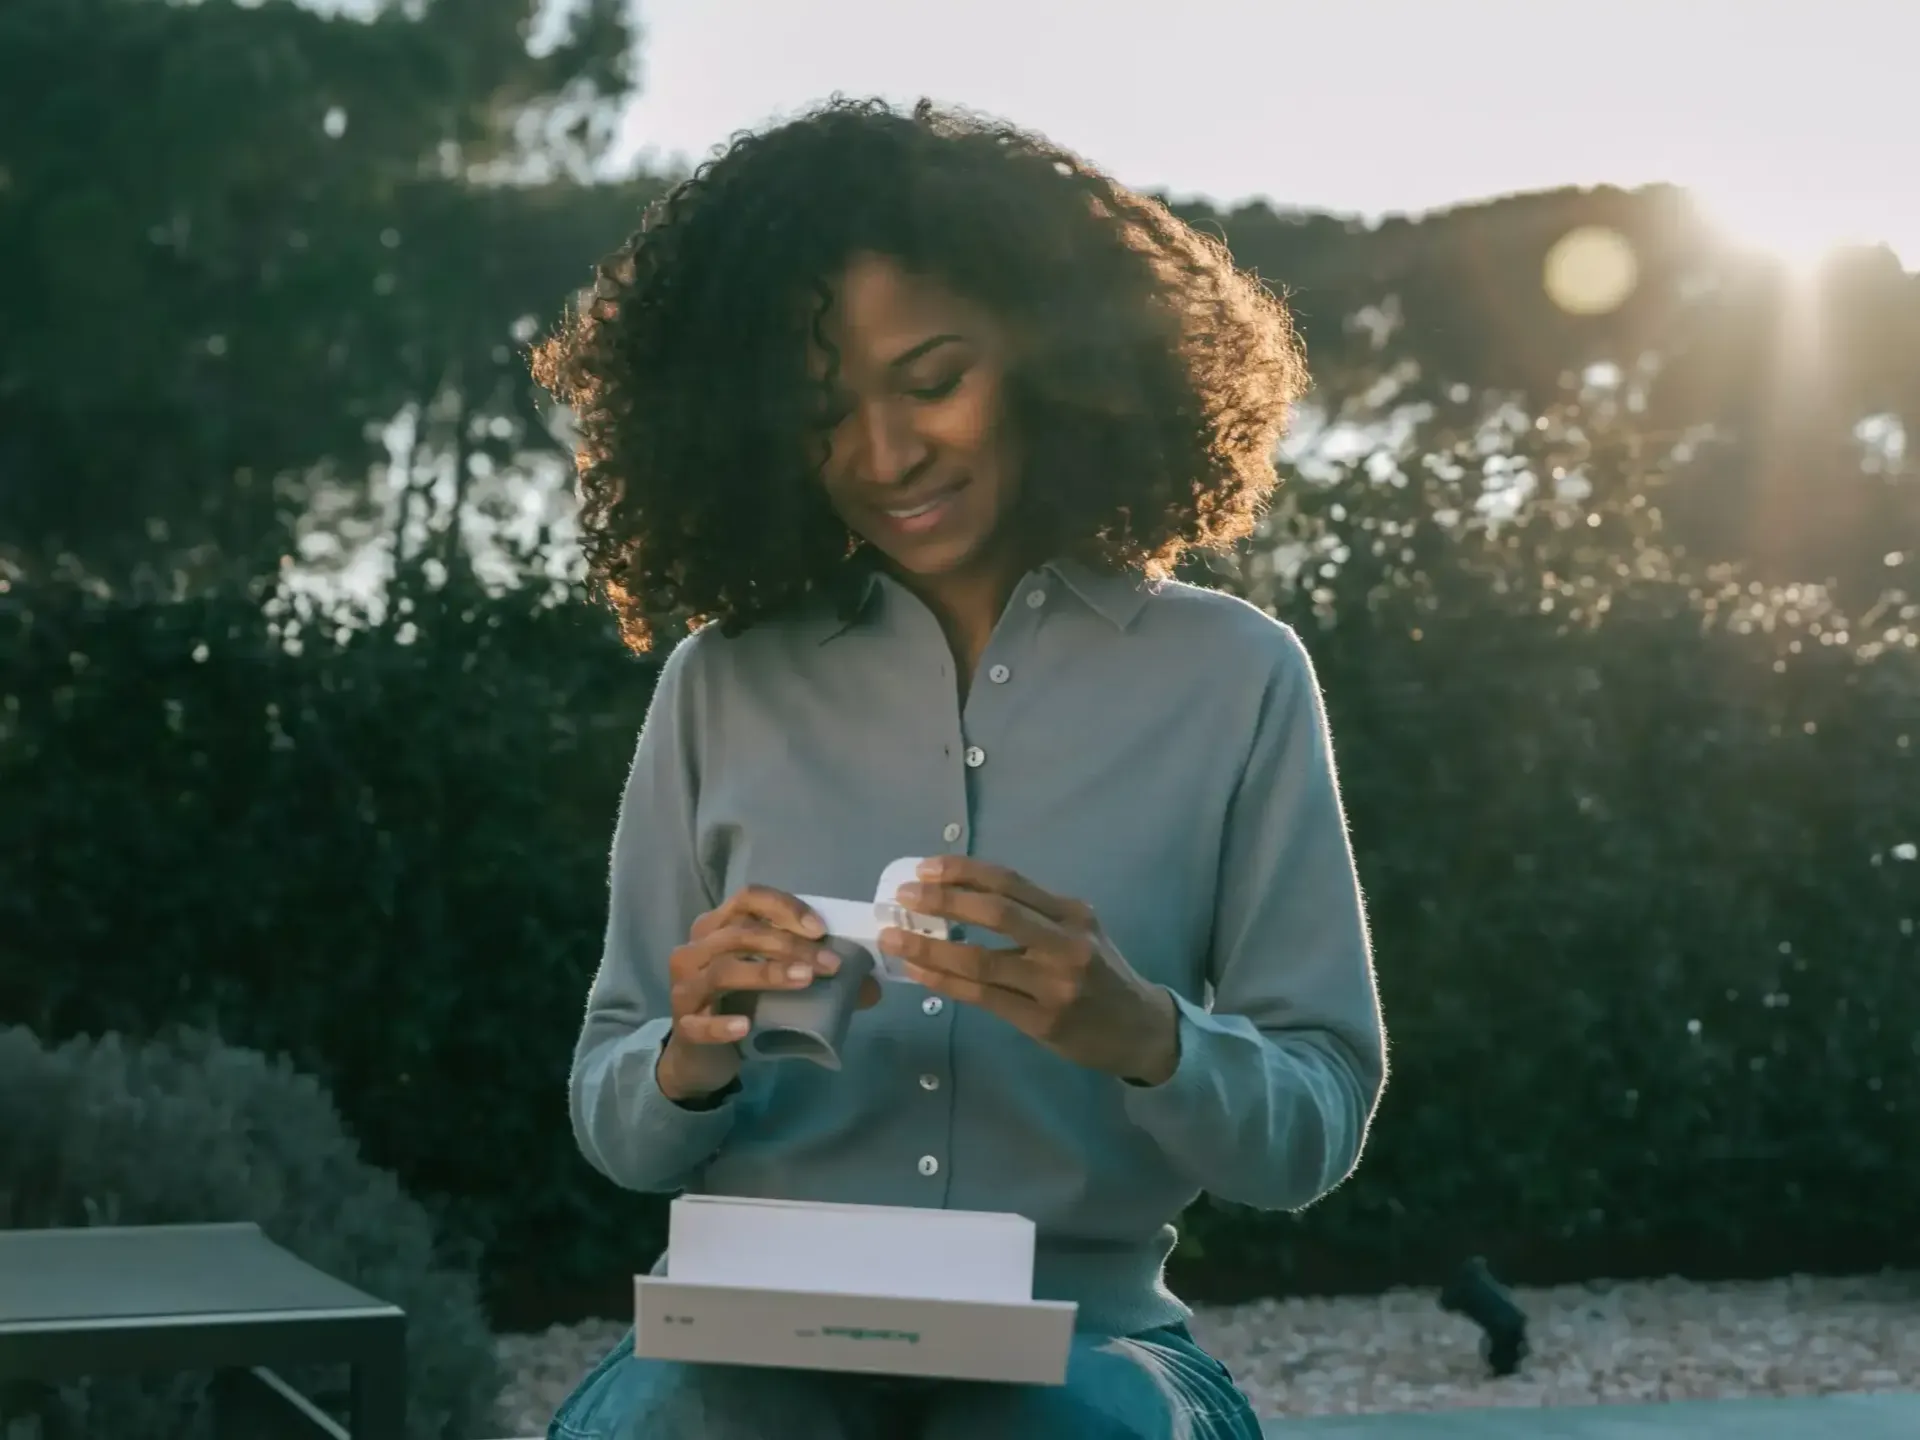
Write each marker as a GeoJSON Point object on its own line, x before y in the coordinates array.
{"type": "Point", "coordinates": [976, 757]}
{"type": "Point", "coordinates": [999, 674]}
{"type": "Point", "coordinates": [929, 1082]}
{"type": "Point", "coordinates": [929, 1165]}
{"type": "Point", "coordinates": [952, 832]}
{"type": "Point", "coordinates": [932, 1005]}
{"type": "Point", "coordinates": [1036, 598]}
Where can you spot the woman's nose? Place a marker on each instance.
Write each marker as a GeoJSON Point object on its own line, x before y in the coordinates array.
{"type": "Point", "coordinates": [894, 447]}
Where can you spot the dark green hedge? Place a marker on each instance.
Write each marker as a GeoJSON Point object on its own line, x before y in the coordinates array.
{"type": "Point", "coordinates": [1643, 895]}
{"type": "Point", "coordinates": [1647, 950]}
{"type": "Point", "coordinates": [385, 855]}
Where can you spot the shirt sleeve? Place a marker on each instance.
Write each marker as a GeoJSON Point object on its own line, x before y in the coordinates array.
{"type": "Point", "coordinates": [1277, 1083]}
{"type": "Point", "coordinates": [625, 1125]}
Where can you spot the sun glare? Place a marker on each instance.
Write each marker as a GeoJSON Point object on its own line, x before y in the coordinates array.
{"type": "Point", "coordinates": [1798, 232]}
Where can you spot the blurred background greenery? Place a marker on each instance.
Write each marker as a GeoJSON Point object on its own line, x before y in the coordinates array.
{"type": "Point", "coordinates": [1605, 534]}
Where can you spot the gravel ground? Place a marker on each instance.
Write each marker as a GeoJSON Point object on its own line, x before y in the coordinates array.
{"type": "Point", "coordinates": [1592, 1344]}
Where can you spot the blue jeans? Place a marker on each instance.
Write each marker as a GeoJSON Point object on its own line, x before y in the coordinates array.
{"type": "Point", "coordinates": [1158, 1385]}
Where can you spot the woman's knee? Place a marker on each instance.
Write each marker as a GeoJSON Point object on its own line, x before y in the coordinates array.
{"type": "Point", "coordinates": [1161, 1386]}
{"type": "Point", "coordinates": [628, 1398]}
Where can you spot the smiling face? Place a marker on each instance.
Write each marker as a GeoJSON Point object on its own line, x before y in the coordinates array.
{"type": "Point", "coordinates": [920, 460]}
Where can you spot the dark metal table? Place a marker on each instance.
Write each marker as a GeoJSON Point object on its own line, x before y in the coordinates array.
{"type": "Point", "coordinates": [200, 1297]}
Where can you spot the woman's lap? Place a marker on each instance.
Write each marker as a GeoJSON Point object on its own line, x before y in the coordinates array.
{"type": "Point", "coordinates": [628, 1398]}
{"type": "Point", "coordinates": [1156, 1386]}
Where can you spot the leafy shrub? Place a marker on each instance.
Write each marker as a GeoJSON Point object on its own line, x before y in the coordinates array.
{"type": "Point", "coordinates": [184, 1129]}
{"type": "Point", "coordinates": [1648, 958]}
{"type": "Point", "coordinates": [382, 852]}
{"type": "Point", "coordinates": [1640, 848]}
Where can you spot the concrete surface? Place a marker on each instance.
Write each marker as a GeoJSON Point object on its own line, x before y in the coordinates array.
{"type": "Point", "coordinates": [1827, 1417]}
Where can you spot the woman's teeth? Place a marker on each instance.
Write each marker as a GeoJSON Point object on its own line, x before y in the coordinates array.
{"type": "Point", "coordinates": [925, 509]}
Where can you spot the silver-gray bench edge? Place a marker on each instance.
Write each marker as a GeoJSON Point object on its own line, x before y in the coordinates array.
{"type": "Point", "coordinates": [245, 1347]}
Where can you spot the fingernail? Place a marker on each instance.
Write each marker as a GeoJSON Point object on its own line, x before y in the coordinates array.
{"type": "Point", "coordinates": [914, 972]}
{"type": "Point", "coordinates": [737, 1027]}
{"type": "Point", "coordinates": [799, 973]}
{"type": "Point", "coordinates": [889, 939]}
{"type": "Point", "coordinates": [928, 869]}
{"type": "Point", "coordinates": [909, 895]}
{"type": "Point", "coordinates": [812, 928]}
{"type": "Point", "coordinates": [828, 961]}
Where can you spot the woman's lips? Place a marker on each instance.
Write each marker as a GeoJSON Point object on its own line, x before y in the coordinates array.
{"type": "Point", "coordinates": [919, 518]}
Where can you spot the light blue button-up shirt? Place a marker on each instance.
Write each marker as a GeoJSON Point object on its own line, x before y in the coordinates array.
{"type": "Point", "coordinates": [1157, 750]}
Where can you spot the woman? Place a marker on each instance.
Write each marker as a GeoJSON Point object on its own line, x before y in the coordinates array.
{"type": "Point", "coordinates": [920, 412]}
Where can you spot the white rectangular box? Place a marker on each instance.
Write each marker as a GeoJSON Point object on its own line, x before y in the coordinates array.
{"type": "Point", "coordinates": [872, 1288]}
{"type": "Point", "coordinates": [851, 1249]}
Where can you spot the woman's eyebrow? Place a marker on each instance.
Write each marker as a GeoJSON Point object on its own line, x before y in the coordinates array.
{"type": "Point", "coordinates": [927, 346]}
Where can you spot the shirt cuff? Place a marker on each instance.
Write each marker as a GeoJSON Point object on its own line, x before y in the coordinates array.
{"type": "Point", "coordinates": [665, 1125]}
{"type": "Point", "coordinates": [1194, 1080]}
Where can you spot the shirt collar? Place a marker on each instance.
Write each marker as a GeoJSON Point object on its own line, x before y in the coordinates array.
{"type": "Point", "coordinates": [855, 604]}
{"type": "Point", "coordinates": [1115, 595]}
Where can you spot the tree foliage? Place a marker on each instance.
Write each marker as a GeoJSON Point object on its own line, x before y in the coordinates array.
{"type": "Point", "coordinates": [237, 240]}
{"type": "Point", "coordinates": [1784, 406]}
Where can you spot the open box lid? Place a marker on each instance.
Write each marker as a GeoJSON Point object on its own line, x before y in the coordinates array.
{"type": "Point", "coordinates": [889, 1250]}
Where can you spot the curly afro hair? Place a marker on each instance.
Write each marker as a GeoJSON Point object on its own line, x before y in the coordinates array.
{"type": "Point", "coordinates": [1149, 385]}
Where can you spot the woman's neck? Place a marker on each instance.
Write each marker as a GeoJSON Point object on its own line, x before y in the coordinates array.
{"type": "Point", "coordinates": [968, 604]}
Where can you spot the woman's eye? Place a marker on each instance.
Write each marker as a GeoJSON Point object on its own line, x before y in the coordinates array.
{"type": "Point", "coordinates": [941, 389]}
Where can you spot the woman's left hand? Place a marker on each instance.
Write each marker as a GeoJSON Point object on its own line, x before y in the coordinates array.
{"type": "Point", "coordinates": [1064, 983]}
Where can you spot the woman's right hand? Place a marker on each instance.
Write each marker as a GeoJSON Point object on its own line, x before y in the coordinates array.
{"type": "Point", "coordinates": [757, 939]}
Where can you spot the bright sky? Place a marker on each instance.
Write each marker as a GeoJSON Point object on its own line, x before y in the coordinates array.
{"type": "Point", "coordinates": [1794, 119]}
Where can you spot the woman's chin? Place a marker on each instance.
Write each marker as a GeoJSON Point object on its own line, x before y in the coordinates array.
{"type": "Point", "coordinates": [934, 557]}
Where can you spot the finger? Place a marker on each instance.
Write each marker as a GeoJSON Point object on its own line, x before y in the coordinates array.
{"type": "Point", "coordinates": [992, 910]}
{"type": "Point", "coordinates": [760, 904]}
{"type": "Point", "coordinates": [702, 989]}
{"type": "Point", "coordinates": [869, 993]}
{"type": "Point", "coordinates": [1004, 970]}
{"type": "Point", "coordinates": [766, 943]}
{"type": "Point", "coordinates": [731, 973]}
{"type": "Point", "coordinates": [776, 908]}
{"type": "Point", "coordinates": [967, 873]}
{"type": "Point", "coordinates": [702, 1028]}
